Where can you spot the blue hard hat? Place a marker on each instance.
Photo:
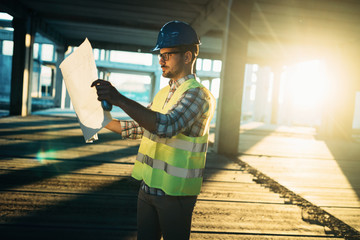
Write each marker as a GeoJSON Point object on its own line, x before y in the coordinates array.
{"type": "Point", "coordinates": [176, 33]}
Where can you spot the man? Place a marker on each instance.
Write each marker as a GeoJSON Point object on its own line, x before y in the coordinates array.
{"type": "Point", "coordinates": [174, 131]}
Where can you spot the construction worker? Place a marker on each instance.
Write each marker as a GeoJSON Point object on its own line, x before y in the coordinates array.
{"type": "Point", "coordinates": [174, 131]}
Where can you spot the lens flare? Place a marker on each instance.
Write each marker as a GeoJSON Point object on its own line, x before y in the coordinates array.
{"type": "Point", "coordinates": [42, 155]}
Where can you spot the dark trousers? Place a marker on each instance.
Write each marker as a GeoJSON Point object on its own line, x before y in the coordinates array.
{"type": "Point", "coordinates": [166, 216]}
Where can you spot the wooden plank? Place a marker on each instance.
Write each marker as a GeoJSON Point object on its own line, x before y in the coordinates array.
{"type": "Point", "coordinates": [93, 167]}
{"type": "Point", "coordinates": [252, 217]}
{"type": "Point", "coordinates": [242, 192]}
{"type": "Point", "coordinates": [68, 209]}
{"type": "Point", "coordinates": [76, 184]}
{"type": "Point", "coordinates": [350, 216]}
{"type": "Point", "coordinates": [248, 236]}
{"type": "Point", "coordinates": [65, 232]}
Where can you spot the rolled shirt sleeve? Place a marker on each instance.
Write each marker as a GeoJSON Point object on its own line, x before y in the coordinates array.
{"type": "Point", "coordinates": [131, 130]}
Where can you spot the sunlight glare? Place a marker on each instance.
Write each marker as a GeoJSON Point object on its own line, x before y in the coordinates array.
{"type": "Point", "coordinates": [308, 84]}
{"type": "Point", "coordinates": [5, 16]}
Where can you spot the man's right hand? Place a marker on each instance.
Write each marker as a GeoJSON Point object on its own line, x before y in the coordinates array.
{"type": "Point", "coordinates": [107, 92]}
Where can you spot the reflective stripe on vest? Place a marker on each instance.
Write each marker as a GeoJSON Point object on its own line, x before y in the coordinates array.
{"type": "Point", "coordinates": [177, 143]}
{"type": "Point", "coordinates": [171, 170]}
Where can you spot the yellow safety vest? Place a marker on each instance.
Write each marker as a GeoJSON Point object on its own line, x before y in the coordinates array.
{"type": "Point", "coordinates": [175, 165]}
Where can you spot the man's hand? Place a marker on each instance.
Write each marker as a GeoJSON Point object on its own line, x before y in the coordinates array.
{"type": "Point", "coordinates": [106, 91]}
{"type": "Point", "coordinates": [145, 117]}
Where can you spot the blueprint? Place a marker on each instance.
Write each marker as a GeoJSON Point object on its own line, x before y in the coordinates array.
{"type": "Point", "coordinates": [79, 71]}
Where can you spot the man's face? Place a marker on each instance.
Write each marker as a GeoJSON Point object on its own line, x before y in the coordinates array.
{"type": "Point", "coordinates": [172, 63]}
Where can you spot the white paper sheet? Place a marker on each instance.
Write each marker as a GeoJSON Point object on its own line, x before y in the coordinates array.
{"type": "Point", "coordinates": [79, 71]}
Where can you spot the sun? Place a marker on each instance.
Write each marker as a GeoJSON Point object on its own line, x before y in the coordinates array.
{"type": "Point", "coordinates": [307, 84]}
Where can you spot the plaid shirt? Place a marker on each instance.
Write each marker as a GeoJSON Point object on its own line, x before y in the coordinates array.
{"type": "Point", "coordinates": [188, 116]}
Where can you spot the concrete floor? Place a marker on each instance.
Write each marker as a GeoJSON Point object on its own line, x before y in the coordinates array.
{"type": "Point", "coordinates": [54, 186]}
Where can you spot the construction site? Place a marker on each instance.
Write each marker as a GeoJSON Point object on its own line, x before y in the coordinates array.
{"type": "Point", "coordinates": [283, 160]}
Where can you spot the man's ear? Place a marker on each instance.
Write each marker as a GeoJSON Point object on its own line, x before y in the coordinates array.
{"type": "Point", "coordinates": [188, 57]}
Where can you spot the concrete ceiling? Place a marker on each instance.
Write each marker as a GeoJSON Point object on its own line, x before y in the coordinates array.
{"type": "Point", "coordinates": [280, 30]}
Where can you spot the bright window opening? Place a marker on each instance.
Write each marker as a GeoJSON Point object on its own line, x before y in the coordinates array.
{"type": "Point", "coordinates": [131, 57]}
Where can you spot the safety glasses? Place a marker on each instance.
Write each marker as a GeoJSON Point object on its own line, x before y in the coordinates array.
{"type": "Point", "coordinates": [166, 55]}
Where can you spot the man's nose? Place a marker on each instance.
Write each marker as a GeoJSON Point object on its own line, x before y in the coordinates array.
{"type": "Point", "coordinates": [161, 61]}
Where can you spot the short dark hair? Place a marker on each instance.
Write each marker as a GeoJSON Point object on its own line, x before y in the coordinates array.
{"type": "Point", "coordinates": [194, 49]}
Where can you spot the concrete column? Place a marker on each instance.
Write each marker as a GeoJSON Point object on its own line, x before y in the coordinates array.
{"type": "Point", "coordinates": [339, 108]}
{"type": "Point", "coordinates": [107, 55]}
{"type": "Point", "coordinates": [20, 97]}
{"type": "Point", "coordinates": [37, 81]}
{"type": "Point", "coordinates": [275, 94]}
{"type": "Point", "coordinates": [232, 80]}
{"type": "Point", "coordinates": [155, 77]}
{"type": "Point", "coordinates": [60, 55]}
{"type": "Point", "coordinates": [152, 87]}
{"type": "Point", "coordinates": [210, 83]}
{"type": "Point", "coordinates": [67, 102]}
{"type": "Point", "coordinates": [261, 100]}
{"type": "Point", "coordinates": [107, 75]}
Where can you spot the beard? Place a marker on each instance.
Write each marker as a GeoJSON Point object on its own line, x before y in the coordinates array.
{"type": "Point", "coordinates": [171, 73]}
{"type": "Point", "coordinates": [168, 74]}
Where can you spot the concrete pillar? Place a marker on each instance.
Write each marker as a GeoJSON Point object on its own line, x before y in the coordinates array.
{"type": "Point", "coordinates": [36, 81]}
{"type": "Point", "coordinates": [155, 78]}
{"type": "Point", "coordinates": [107, 56]}
{"type": "Point", "coordinates": [210, 83]}
{"type": "Point", "coordinates": [232, 80]}
{"type": "Point", "coordinates": [155, 84]}
{"type": "Point", "coordinates": [20, 97]}
{"type": "Point", "coordinates": [60, 55]}
{"type": "Point", "coordinates": [67, 101]}
{"type": "Point", "coordinates": [275, 94]}
{"type": "Point", "coordinates": [107, 75]}
{"type": "Point", "coordinates": [262, 91]}
{"type": "Point", "coordinates": [339, 108]}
